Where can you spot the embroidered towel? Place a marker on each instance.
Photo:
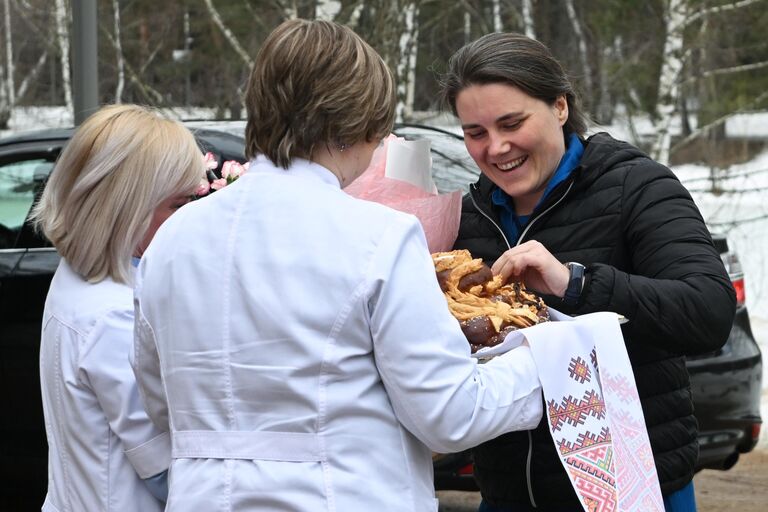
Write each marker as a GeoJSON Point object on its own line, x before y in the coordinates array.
{"type": "Point", "coordinates": [593, 410]}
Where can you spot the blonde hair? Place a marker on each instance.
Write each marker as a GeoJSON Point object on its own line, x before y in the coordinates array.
{"type": "Point", "coordinates": [313, 83]}
{"type": "Point", "coordinates": [120, 164]}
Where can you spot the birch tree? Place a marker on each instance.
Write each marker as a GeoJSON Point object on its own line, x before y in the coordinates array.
{"type": "Point", "coordinates": [62, 35]}
{"type": "Point", "coordinates": [528, 25]}
{"type": "Point", "coordinates": [467, 27]}
{"type": "Point", "coordinates": [406, 68]}
{"type": "Point", "coordinates": [497, 24]}
{"type": "Point", "coordinates": [669, 76]}
{"type": "Point", "coordinates": [119, 54]}
{"type": "Point", "coordinates": [9, 70]}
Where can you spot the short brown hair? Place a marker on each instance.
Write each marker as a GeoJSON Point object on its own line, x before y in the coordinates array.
{"type": "Point", "coordinates": [120, 164]}
{"type": "Point", "coordinates": [315, 82]}
{"type": "Point", "coordinates": [516, 60]}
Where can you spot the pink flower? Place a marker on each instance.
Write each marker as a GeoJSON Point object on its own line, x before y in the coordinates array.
{"type": "Point", "coordinates": [219, 183]}
{"type": "Point", "coordinates": [210, 161]}
{"type": "Point", "coordinates": [231, 170]}
{"type": "Point", "coordinates": [203, 188]}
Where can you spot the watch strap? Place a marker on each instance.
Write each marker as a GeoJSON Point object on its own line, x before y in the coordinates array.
{"type": "Point", "coordinates": [575, 283]}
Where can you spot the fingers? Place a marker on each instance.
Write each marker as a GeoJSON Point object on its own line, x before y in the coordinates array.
{"type": "Point", "coordinates": [514, 261]}
{"type": "Point", "coordinates": [533, 264]}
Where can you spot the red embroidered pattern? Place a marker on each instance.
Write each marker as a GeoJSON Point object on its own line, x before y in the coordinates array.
{"type": "Point", "coordinates": [575, 411]}
{"type": "Point", "coordinates": [579, 370]}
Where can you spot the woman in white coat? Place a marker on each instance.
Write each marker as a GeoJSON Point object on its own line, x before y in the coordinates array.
{"type": "Point", "coordinates": [293, 339]}
{"type": "Point", "coordinates": [124, 172]}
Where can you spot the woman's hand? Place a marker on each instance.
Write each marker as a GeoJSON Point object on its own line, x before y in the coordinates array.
{"type": "Point", "coordinates": [535, 266]}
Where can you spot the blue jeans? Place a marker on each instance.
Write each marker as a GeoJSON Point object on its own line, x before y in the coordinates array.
{"type": "Point", "coordinates": [683, 500]}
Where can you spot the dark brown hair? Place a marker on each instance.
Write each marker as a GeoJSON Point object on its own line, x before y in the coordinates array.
{"type": "Point", "coordinates": [314, 83]}
{"type": "Point", "coordinates": [516, 60]}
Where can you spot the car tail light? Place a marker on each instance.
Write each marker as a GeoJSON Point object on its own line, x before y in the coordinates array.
{"type": "Point", "coordinates": [735, 272]}
{"type": "Point", "coordinates": [468, 469]}
{"type": "Point", "coordinates": [755, 431]}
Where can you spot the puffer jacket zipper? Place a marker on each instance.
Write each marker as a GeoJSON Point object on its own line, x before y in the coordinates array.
{"type": "Point", "coordinates": [473, 188]}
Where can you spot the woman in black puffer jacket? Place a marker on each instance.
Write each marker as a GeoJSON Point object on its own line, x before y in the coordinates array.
{"type": "Point", "coordinates": [594, 225]}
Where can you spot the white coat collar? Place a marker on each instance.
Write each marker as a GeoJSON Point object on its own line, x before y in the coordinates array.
{"type": "Point", "coordinates": [299, 167]}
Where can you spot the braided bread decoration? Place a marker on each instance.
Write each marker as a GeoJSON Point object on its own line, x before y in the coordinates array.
{"type": "Point", "coordinates": [486, 309]}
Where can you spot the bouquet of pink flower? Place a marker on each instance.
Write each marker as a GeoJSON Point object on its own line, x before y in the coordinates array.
{"type": "Point", "coordinates": [210, 182]}
{"type": "Point", "coordinates": [399, 176]}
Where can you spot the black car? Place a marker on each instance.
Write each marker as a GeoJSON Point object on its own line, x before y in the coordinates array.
{"type": "Point", "coordinates": [726, 384]}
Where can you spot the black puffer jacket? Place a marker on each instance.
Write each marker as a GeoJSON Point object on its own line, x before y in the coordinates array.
{"type": "Point", "coordinates": [649, 257]}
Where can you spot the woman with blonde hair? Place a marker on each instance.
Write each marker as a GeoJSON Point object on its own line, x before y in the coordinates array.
{"type": "Point", "coordinates": [329, 366]}
{"type": "Point", "coordinates": [125, 170]}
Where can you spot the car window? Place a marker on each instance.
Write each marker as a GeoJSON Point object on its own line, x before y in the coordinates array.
{"type": "Point", "coordinates": [19, 182]}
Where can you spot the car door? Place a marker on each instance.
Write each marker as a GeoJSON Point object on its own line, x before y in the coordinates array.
{"type": "Point", "coordinates": [27, 263]}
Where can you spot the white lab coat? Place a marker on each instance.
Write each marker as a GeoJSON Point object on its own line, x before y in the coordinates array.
{"type": "Point", "coordinates": [100, 440]}
{"type": "Point", "coordinates": [307, 353]}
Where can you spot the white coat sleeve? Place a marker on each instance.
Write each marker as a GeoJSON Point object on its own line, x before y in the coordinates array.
{"type": "Point", "coordinates": [145, 361]}
{"type": "Point", "coordinates": [439, 393]}
{"type": "Point", "coordinates": [105, 368]}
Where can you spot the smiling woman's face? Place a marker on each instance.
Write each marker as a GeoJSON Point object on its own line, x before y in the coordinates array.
{"type": "Point", "coordinates": [515, 139]}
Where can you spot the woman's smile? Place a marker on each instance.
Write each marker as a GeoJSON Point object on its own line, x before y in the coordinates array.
{"type": "Point", "coordinates": [511, 165]}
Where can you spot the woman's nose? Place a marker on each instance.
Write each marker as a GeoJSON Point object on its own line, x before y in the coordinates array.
{"type": "Point", "coordinates": [498, 144]}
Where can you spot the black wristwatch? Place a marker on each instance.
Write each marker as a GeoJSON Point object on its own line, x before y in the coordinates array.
{"type": "Point", "coordinates": [575, 283]}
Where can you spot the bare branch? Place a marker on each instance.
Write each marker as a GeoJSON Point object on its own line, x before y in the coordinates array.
{"type": "Point", "coordinates": [31, 76]}
{"type": "Point", "coordinates": [228, 35]}
{"type": "Point", "coordinates": [735, 69]}
{"type": "Point", "coordinates": [718, 9]}
{"type": "Point", "coordinates": [721, 120]}
{"type": "Point", "coordinates": [152, 96]}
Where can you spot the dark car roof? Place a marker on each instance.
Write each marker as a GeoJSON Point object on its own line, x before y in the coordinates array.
{"type": "Point", "coordinates": [224, 138]}
{"type": "Point", "coordinates": [38, 136]}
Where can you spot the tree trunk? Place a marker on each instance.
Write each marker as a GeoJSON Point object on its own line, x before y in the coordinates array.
{"type": "Point", "coordinates": [5, 107]}
{"type": "Point", "coordinates": [119, 54]}
{"type": "Point", "coordinates": [406, 67]}
{"type": "Point", "coordinates": [528, 25]}
{"type": "Point", "coordinates": [497, 24]}
{"type": "Point", "coordinates": [10, 85]}
{"type": "Point", "coordinates": [671, 68]}
{"type": "Point", "coordinates": [62, 34]}
{"type": "Point", "coordinates": [467, 28]}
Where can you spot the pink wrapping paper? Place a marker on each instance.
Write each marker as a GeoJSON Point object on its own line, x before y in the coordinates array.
{"type": "Point", "coordinates": [439, 214]}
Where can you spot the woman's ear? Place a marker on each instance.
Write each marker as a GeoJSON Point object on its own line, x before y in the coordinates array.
{"type": "Point", "coordinates": [561, 109]}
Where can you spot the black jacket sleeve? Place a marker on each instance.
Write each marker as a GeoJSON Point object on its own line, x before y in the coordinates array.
{"type": "Point", "coordinates": [677, 294]}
